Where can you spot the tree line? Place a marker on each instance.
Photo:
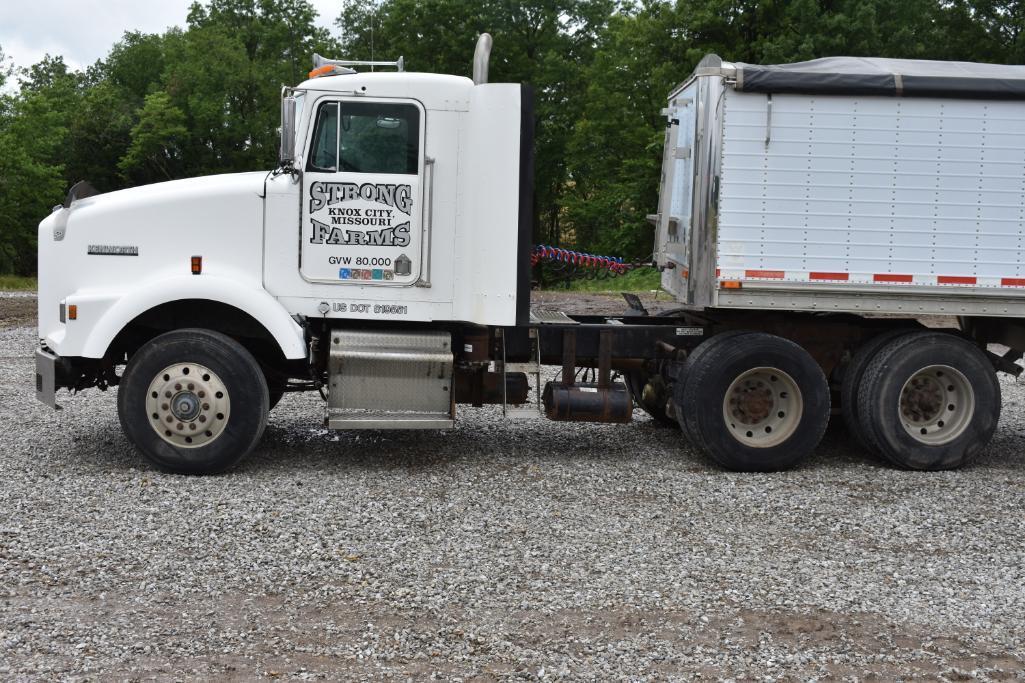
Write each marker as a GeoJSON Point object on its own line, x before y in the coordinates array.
{"type": "Point", "coordinates": [203, 98]}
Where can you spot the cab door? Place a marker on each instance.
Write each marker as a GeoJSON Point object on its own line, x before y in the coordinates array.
{"type": "Point", "coordinates": [362, 193]}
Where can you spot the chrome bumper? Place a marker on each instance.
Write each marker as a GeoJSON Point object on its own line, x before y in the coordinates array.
{"type": "Point", "coordinates": [46, 378]}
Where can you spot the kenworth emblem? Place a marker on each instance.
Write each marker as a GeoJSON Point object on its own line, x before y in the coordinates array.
{"type": "Point", "coordinates": [112, 250]}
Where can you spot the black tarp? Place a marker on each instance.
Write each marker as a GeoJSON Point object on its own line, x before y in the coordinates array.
{"type": "Point", "coordinates": [892, 77]}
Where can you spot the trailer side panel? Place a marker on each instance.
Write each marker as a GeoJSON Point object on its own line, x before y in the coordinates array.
{"type": "Point", "coordinates": [830, 196]}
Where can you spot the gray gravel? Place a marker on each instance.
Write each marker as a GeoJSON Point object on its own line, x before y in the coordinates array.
{"type": "Point", "coordinates": [496, 551]}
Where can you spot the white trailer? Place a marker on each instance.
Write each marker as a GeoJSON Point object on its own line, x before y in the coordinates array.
{"type": "Point", "coordinates": [386, 264]}
{"type": "Point", "coordinates": [846, 184]}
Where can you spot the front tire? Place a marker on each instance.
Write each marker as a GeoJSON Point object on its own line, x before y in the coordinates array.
{"type": "Point", "coordinates": [193, 401]}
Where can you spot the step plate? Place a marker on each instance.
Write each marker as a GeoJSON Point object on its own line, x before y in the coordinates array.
{"type": "Point", "coordinates": [541, 316]}
{"type": "Point", "coordinates": [531, 413]}
{"type": "Point", "coordinates": [367, 419]}
{"type": "Point", "coordinates": [403, 373]}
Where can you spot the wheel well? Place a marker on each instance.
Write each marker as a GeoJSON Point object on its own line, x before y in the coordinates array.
{"type": "Point", "coordinates": [201, 313]}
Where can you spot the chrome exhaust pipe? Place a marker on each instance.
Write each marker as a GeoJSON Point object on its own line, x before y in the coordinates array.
{"type": "Point", "coordinates": [481, 56]}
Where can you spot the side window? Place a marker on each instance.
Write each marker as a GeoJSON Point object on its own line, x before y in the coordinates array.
{"type": "Point", "coordinates": [366, 137]}
{"type": "Point", "coordinates": [324, 152]}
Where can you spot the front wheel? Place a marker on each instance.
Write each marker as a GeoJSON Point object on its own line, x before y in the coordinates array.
{"type": "Point", "coordinates": [193, 401]}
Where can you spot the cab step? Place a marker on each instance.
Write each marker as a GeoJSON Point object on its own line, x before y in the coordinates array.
{"type": "Point", "coordinates": [379, 419]}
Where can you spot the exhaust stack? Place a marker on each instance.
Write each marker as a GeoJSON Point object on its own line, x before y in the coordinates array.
{"type": "Point", "coordinates": [481, 57]}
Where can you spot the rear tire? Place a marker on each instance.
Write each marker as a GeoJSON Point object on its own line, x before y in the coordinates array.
{"type": "Point", "coordinates": [929, 401]}
{"type": "Point", "coordinates": [754, 401]}
{"type": "Point", "coordinates": [854, 374]}
{"type": "Point", "coordinates": [681, 390]}
{"type": "Point", "coordinates": [193, 401]}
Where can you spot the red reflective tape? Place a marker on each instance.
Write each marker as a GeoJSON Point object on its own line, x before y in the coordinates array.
{"type": "Point", "coordinates": [766, 274]}
{"type": "Point", "coordinates": [892, 277]}
{"type": "Point", "coordinates": [829, 276]}
{"type": "Point", "coordinates": [955, 280]}
{"type": "Point", "coordinates": [718, 272]}
{"type": "Point", "coordinates": [1012, 282]}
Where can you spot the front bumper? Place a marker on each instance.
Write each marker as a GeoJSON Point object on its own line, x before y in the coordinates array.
{"type": "Point", "coordinates": [46, 377]}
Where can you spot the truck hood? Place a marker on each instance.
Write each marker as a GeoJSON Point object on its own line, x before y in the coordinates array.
{"type": "Point", "coordinates": [158, 228]}
{"type": "Point", "coordinates": [176, 193]}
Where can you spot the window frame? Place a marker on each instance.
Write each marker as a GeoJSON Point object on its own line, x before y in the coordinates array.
{"type": "Point", "coordinates": [339, 102]}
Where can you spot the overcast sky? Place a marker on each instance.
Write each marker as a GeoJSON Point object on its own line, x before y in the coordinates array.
{"type": "Point", "coordinates": [84, 30]}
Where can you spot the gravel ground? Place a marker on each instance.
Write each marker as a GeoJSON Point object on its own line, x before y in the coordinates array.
{"type": "Point", "coordinates": [495, 551]}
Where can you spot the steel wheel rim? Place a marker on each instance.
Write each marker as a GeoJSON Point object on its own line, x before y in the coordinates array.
{"type": "Point", "coordinates": [936, 405]}
{"type": "Point", "coordinates": [762, 407]}
{"type": "Point", "coordinates": [188, 405]}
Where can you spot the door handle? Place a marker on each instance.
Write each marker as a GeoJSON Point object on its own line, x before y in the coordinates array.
{"type": "Point", "coordinates": [428, 211]}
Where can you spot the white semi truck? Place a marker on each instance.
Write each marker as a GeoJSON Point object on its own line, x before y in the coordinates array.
{"type": "Point", "coordinates": [386, 264]}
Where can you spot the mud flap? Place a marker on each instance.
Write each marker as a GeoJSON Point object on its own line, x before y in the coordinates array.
{"type": "Point", "coordinates": [46, 378]}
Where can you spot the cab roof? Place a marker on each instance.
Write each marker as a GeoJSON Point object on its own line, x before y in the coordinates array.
{"type": "Point", "coordinates": [422, 86]}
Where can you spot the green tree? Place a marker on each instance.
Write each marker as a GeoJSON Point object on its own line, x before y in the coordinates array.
{"type": "Point", "coordinates": [32, 132]}
{"type": "Point", "coordinates": [985, 30]}
{"type": "Point", "coordinates": [225, 73]}
{"type": "Point", "coordinates": [155, 152]}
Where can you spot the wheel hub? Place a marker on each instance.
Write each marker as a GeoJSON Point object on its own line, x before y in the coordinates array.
{"type": "Point", "coordinates": [751, 402]}
{"type": "Point", "coordinates": [188, 405]}
{"type": "Point", "coordinates": [936, 405]}
{"type": "Point", "coordinates": [185, 406]}
{"type": "Point", "coordinates": [921, 399]}
{"type": "Point", "coordinates": [762, 407]}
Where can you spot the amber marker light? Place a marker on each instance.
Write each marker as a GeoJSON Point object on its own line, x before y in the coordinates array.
{"type": "Point", "coordinates": [322, 71]}
{"type": "Point", "coordinates": [72, 312]}
{"type": "Point", "coordinates": [197, 265]}
{"type": "Point", "coordinates": [731, 284]}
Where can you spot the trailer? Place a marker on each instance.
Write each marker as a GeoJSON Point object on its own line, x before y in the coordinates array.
{"type": "Point", "coordinates": [809, 215]}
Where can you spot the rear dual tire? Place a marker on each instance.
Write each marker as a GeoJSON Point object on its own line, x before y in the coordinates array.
{"type": "Point", "coordinates": [752, 401]}
{"type": "Point", "coordinates": [853, 377]}
{"type": "Point", "coordinates": [928, 401]}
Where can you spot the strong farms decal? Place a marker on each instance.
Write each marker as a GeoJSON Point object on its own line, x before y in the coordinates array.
{"type": "Point", "coordinates": [360, 231]}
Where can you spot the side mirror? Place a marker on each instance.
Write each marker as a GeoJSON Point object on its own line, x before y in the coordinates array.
{"type": "Point", "coordinates": [286, 156]}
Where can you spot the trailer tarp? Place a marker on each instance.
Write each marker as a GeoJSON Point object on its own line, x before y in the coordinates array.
{"type": "Point", "coordinates": [878, 76]}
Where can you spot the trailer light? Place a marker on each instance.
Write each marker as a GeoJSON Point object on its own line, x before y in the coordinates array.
{"type": "Point", "coordinates": [731, 284]}
{"type": "Point", "coordinates": [72, 312]}
{"type": "Point", "coordinates": [197, 265]}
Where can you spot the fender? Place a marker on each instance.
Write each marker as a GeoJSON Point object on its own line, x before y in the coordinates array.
{"type": "Point", "coordinates": [257, 302]}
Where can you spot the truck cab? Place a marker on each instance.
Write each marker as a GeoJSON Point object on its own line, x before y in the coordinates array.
{"type": "Point", "coordinates": [400, 212]}
{"type": "Point", "coordinates": [403, 201]}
